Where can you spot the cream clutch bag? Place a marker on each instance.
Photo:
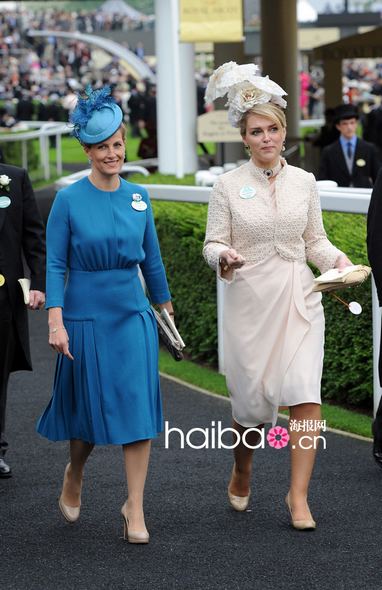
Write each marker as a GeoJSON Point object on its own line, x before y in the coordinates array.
{"type": "Point", "coordinates": [332, 280]}
{"type": "Point", "coordinates": [25, 285]}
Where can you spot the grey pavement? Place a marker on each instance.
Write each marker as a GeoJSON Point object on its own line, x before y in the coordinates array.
{"type": "Point", "coordinates": [197, 540]}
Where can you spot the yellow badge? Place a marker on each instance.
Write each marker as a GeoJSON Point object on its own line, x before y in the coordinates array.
{"type": "Point", "coordinates": [361, 163]}
{"type": "Point", "coordinates": [2, 280]}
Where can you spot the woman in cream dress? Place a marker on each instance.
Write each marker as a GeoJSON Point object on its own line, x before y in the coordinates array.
{"type": "Point", "coordinates": [264, 225]}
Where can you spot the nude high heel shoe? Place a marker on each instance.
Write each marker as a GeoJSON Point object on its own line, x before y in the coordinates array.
{"type": "Point", "coordinates": [133, 536]}
{"type": "Point", "coordinates": [70, 513]}
{"type": "Point", "coordinates": [301, 525]}
{"type": "Point", "coordinates": [239, 503]}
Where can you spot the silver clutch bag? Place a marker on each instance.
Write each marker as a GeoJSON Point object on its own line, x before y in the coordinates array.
{"type": "Point", "coordinates": [168, 334]}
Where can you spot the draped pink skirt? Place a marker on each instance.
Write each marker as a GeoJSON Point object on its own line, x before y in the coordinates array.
{"type": "Point", "coordinates": [273, 339]}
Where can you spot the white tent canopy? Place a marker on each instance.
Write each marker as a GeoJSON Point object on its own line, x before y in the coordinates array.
{"type": "Point", "coordinates": [120, 7]}
{"type": "Point", "coordinates": [305, 12]}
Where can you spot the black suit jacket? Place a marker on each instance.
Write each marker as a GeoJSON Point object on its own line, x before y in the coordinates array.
{"type": "Point", "coordinates": [21, 233]}
{"type": "Point", "coordinates": [333, 165]}
{"type": "Point", "coordinates": [374, 244]}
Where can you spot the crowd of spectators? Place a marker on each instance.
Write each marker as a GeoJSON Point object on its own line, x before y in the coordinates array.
{"type": "Point", "coordinates": [362, 86]}
{"type": "Point", "coordinates": [84, 21]}
{"type": "Point", "coordinates": [40, 76]}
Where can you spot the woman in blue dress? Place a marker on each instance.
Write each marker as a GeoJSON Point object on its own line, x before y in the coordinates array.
{"type": "Point", "coordinates": [106, 389]}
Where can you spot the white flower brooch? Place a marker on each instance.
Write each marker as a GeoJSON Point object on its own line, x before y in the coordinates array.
{"type": "Point", "coordinates": [5, 181]}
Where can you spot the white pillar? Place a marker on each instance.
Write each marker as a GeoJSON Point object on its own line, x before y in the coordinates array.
{"type": "Point", "coordinates": [176, 93]}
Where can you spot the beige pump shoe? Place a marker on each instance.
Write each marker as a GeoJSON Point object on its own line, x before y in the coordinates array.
{"type": "Point", "coordinates": [301, 525]}
{"type": "Point", "coordinates": [239, 503]}
{"type": "Point", "coordinates": [133, 536]}
{"type": "Point", "coordinates": [70, 513]}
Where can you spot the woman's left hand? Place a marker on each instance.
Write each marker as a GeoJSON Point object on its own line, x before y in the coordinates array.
{"type": "Point", "coordinates": [342, 262]}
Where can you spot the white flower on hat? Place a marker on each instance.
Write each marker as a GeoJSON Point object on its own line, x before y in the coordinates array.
{"type": "Point", "coordinates": [4, 181]}
{"type": "Point", "coordinates": [244, 88]}
{"type": "Point", "coordinates": [226, 76]}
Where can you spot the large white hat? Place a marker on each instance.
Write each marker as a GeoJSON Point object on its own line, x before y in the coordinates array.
{"type": "Point", "coordinates": [244, 89]}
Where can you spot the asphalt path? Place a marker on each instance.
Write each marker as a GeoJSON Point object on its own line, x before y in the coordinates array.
{"type": "Point", "coordinates": [197, 541]}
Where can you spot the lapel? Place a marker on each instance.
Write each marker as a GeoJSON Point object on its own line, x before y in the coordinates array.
{"type": "Point", "coordinates": [359, 154]}
{"type": "Point", "coordinates": [339, 158]}
{"type": "Point", "coordinates": [5, 193]}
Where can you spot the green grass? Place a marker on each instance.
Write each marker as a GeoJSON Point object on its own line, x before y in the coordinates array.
{"type": "Point", "coordinates": [73, 153]}
{"type": "Point", "coordinates": [158, 178]}
{"type": "Point", "coordinates": [192, 373]}
{"type": "Point", "coordinates": [206, 378]}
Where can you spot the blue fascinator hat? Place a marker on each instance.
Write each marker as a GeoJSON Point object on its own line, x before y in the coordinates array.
{"type": "Point", "coordinates": [96, 116]}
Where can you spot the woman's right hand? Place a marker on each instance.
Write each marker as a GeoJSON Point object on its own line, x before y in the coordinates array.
{"type": "Point", "coordinates": [230, 259]}
{"type": "Point", "coordinates": [59, 341]}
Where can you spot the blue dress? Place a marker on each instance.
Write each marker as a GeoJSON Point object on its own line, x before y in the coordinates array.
{"type": "Point", "coordinates": [96, 243]}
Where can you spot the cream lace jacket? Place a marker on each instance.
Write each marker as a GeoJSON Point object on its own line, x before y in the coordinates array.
{"type": "Point", "coordinates": [256, 229]}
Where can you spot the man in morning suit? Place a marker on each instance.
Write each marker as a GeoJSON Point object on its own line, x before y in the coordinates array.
{"type": "Point", "coordinates": [374, 250]}
{"type": "Point", "coordinates": [349, 161]}
{"type": "Point", "coordinates": [21, 235]}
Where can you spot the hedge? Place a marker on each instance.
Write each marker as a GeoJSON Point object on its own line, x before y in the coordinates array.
{"type": "Point", "coordinates": [347, 378]}
{"type": "Point", "coordinates": [12, 153]}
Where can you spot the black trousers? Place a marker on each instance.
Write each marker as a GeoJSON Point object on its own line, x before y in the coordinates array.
{"type": "Point", "coordinates": [8, 339]}
{"type": "Point", "coordinates": [377, 424]}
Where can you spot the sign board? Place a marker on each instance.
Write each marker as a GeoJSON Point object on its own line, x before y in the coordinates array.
{"type": "Point", "coordinates": [214, 126]}
{"type": "Point", "coordinates": [217, 21]}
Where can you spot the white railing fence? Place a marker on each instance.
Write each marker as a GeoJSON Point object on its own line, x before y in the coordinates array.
{"type": "Point", "coordinates": [40, 130]}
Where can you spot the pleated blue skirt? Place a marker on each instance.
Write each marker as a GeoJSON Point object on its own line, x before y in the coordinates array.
{"type": "Point", "coordinates": [109, 393]}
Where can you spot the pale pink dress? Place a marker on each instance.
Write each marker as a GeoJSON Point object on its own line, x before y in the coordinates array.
{"type": "Point", "coordinates": [273, 338]}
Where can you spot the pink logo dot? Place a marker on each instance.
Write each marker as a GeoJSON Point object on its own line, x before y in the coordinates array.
{"type": "Point", "coordinates": [278, 437]}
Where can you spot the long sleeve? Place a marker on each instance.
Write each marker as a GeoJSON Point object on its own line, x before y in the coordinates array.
{"type": "Point", "coordinates": [152, 266]}
{"type": "Point", "coordinates": [58, 240]}
{"type": "Point", "coordinates": [218, 233]}
{"type": "Point", "coordinates": [375, 164]}
{"type": "Point", "coordinates": [374, 234]}
{"type": "Point", "coordinates": [319, 250]}
{"type": "Point", "coordinates": [33, 236]}
{"type": "Point", "coordinates": [323, 173]}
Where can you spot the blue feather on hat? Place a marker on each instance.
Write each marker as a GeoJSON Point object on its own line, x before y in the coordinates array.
{"type": "Point", "coordinates": [86, 105]}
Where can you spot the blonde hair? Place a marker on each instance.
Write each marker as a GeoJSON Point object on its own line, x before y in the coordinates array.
{"type": "Point", "coordinates": [269, 110]}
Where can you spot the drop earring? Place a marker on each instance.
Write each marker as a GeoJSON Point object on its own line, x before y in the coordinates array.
{"type": "Point", "coordinates": [90, 160]}
{"type": "Point", "coordinates": [247, 149]}
{"type": "Point", "coordinates": [283, 148]}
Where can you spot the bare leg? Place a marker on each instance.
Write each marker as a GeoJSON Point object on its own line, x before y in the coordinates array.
{"type": "Point", "coordinates": [136, 464]}
{"type": "Point", "coordinates": [302, 459]}
{"type": "Point", "coordinates": [71, 491]}
{"type": "Point", "coordinates": [242, 469]}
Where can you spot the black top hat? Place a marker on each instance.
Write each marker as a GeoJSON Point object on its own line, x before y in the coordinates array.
{"type": "Point", "coordinates": [345, 111]}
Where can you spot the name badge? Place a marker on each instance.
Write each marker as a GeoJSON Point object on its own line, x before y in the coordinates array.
{"type": "Point", "coordinates": [247, 192]}
{"type": "Point", "coordinates": [137, 202]}
{"type": "Point", "coordinates": [4, 202]}
{"type": "Point", "coordinates": [139, 205]}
